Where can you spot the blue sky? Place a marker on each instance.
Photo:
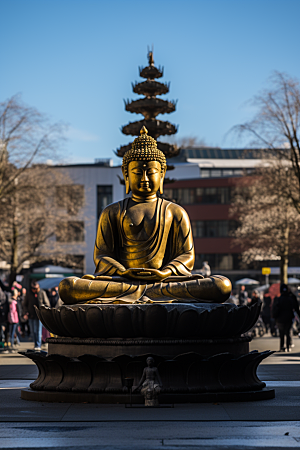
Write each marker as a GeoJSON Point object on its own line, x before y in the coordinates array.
{"type": "Point", "coordinates": [75, 60]}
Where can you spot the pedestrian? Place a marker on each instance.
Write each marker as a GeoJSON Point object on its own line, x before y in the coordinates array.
{"type": "Point", "coordinates": [35, 297]}
{"type": "Point", "coordinates": [23, 323]}
{"type": "Point", "coordinates": [13, 319]}
{"type": "Point", "coordinates": [266, 311]}
{"type": "Point", "coordinates": [243, 296]}
{"type": "Point", "coordinates": [205, 269]}
{"type": "Point", "coordinates": [4, 308]}
{"type": "Point", "coordinates": [53, 297]}
{"type": "Point", "coordinates": [254, 298]}
{"type": "Point", "coordinates": [283, 310]}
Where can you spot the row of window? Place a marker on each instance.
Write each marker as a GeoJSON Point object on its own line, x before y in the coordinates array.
{"type": "Point", "coordinates": [71, 197]}
{"type": "Point", "coordinates": [217, 261]}
{"type": "Point", "coordinates": [73, 231]}
{"type": "Point", "coordinates": [206, 195]}
{"type": "Point", "coordinates": [217, 173]}
{"type": "Point", "coordinates": [213, 228]}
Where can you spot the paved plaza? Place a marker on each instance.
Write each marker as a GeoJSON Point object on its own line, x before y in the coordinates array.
{"type": "Point", "coordinates": [263, 424]}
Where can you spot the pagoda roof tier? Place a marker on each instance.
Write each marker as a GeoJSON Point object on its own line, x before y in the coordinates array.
{"type": "Point", "coordinates": [150, 88]}
{"type": "Point", "coordinates": [151, 72]}
{"type": "Point", "coordinates": [150, 107]}
{"type": "Point", "coordinates": [169, 150]}
{"type": "Point", "coordinates": [155, 128]}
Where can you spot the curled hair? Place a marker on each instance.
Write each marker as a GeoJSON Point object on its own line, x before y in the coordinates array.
{"type": "Point", "coordinates": [143, 155]}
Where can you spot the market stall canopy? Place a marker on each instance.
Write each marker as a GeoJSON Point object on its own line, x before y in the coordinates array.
{"type": "Point", "coordinates": [293, 280]}
{"type": "Point", "coordinates": [263, 288]}
{"type": "Point", "coordinates": [246, 282]}
{"type": "Point", "coordinates": [54, 269]}
{"type": "Point", "coordinates": [50, 283]}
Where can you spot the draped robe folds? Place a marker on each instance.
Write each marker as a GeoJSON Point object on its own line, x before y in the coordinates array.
{"type": "Point", "coordinates": [170, 246]}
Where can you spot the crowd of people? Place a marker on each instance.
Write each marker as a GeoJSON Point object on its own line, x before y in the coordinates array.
{"type": "Point", "coordinates": [18, 318]}
{"type": "Point", "coordinates": [279, 314]}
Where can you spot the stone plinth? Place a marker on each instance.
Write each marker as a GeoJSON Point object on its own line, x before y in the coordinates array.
{"type": "Point", "coordinates": [198, 349]}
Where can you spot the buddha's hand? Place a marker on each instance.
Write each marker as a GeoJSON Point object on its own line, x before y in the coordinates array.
{"type": "Point", "coordinates": [147, 274]}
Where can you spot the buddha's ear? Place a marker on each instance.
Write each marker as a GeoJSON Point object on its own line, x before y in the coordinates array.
{"type": "Point", "coordinates": [161, 185]}
{"type": "Point", "coordinates": [127, 187]}
{"type": "Point", "coordinates": [126, 179]}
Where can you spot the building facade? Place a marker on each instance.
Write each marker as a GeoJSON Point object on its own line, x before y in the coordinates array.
{"type": "Point", "coordinates": [204, 183]}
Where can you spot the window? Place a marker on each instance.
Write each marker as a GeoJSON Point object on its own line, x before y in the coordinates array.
{"type": "Point", "coordinates": [218, 261]}
{"type": "Point", "coordinates": [230, 172]}
{"type": "Point", "coordinates": [198, 228]}
{"type": "Point", "coordinates": [216, 173]}
{"type": "Point", "coordinates": [205, 173]}
{"type": "Point", "coordinates": [227, 172]}
{"type": "Point", "coordinates": [70, 197]}
{"type": "Point", "coordinates": [213, 228]}
{"type": "Point", "coordinates": [238, 172]}
{"type": "Point", "coordinates": [104, 197]}
{"type": "Point", "coordinates": [190, 196]}
{"type": "Point", "coordinates": [70, 231]}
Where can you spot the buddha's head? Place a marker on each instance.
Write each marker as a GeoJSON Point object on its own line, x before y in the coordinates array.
{"type": "Point", "coordinates": [144, 166]}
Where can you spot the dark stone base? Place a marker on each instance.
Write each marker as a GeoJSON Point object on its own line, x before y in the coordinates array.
{"type": "Point", "coordinates": [167, 347]}
{"type": "Point", "coordinates": [78, 397]}
{"type": "Point", "coordinates": [184, 375]}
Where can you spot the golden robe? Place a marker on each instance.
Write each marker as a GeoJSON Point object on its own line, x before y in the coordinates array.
{"type": "Point", "coordinates": [170, 246]}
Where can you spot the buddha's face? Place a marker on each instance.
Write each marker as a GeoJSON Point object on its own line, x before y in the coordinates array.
{"type": "Point", "coordinates": [144, 177]}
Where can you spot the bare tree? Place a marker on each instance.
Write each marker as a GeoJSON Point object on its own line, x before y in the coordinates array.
{"type": "Point", "coordinates": [29, 218]}
{"type": "Point", "coordinates": [275, 126]}
{"type": "Point", "coordinates": [29, 215]}
{"type": "Point", "coordinates": [26, 137]}
{"type": "Point", "coordinates": [269, 224]}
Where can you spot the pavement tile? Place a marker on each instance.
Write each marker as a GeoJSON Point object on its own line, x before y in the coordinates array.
{"type": "Point", "coordinates": [119, 412]}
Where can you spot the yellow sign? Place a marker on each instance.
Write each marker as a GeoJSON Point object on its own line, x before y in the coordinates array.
{"type": "Point", "coordinates": [266, 270]}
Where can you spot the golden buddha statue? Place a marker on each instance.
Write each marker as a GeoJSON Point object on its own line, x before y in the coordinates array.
{"type": "Point", "coordinates": [144, 249]}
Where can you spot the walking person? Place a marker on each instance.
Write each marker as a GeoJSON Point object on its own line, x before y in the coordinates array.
{"type": "Point", "coordinates": [53, 296]}
{"type": "Point", "coordinates": [243, 296]}
{"type": "Point", "coordinates": [255, 298]}
{"type": "Point", "coordinates": [13, 319]}
{"type": "Point", "coordinates": [283, 310]}
{"type": "Point", "coordinates": [4, 308]}
{"type": "Point", "coordinates": [35, 297]}
{"type": "Point", "coordinates": [266, 311]}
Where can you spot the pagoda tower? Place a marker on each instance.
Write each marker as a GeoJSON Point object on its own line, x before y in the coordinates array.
{"type": "Point", "coordinates": [150, 107]}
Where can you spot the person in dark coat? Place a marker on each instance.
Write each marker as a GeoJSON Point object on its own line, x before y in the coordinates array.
{"type": "Point", "coordinates": [266, 311]}
{"type": "Point", "coordinates": [243, 296]}
{"type": "Point", "coordinates": [283, 310]}
{"type": "Point", "coordinates": [53, 297]}
{"type": "Point", "coordinates": [35, 297]}
{"type": "Point", "coordinates": [254, 298]}
{"type": "Point", "coordinates": [4, 308]}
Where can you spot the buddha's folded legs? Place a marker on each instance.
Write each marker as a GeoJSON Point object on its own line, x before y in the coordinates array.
{"type": "Point", "coordinates": [79, 290]}
{"type": "Point", "coordinates": [215, 289]}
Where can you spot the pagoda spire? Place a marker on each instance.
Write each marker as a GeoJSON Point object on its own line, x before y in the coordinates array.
{"type": "Point", "coordinates": [150, 107]}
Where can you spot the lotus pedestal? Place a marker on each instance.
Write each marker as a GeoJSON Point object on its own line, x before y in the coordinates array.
{"type": "Point", "coordinates": [199, 349]}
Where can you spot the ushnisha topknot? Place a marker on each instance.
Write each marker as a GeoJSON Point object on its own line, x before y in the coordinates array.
{"type": "Point", "coordinates": [144, 148]}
